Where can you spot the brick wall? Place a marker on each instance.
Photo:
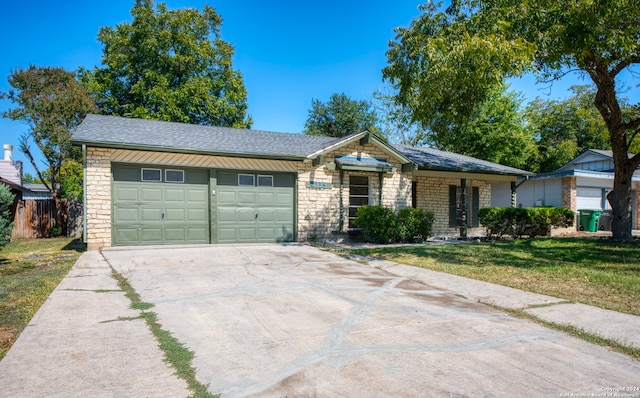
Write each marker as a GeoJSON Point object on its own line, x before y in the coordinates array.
{"type": "Point", "coordinates": [98, 192]}
{"type": "Point", "coordinates": [319, 214]}
{"type": "Point", "coordinates": [433, 195]}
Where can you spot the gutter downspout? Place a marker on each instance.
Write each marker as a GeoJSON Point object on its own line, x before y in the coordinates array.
{"type": "Point", "coordinates": [514, 188]}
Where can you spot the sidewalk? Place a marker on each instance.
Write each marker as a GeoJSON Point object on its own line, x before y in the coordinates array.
{"type": "Point", "coordinates": [623, 328]}
{"type": "Point", "coordinates": [85, 340]}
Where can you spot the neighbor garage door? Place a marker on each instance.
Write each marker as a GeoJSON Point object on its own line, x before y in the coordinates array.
{"type": "Point", "coordinates": [589, 198]}
{"type": "Point", "coordinates": [154, 206]}
{"type": "Point", "coordinates": [255, 207]}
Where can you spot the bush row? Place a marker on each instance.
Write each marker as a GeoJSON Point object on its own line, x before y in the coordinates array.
{"type": "Point", "coordinates": [380, 224]}
{"type": "Point", "coordinates": [519, 222]}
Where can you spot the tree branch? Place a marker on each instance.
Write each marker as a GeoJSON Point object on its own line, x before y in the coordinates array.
{"type": "Point", "coordinates": [24, 147]}
{"type": "Point", "coordinates": [623, 65]}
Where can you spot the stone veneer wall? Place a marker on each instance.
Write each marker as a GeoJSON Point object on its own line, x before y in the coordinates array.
{"type": "Point", "coordinates": [319, 213]}
{"type": "Point", "coordinates": [433, 195]}
{"type": "Point", "coordinates": [318, 210]}
{"type": "Point", "coordinates": [98, 194]}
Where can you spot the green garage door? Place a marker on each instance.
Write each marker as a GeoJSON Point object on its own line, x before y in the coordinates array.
{"type": "Point", "coordinates": [255, 207]}
{"type": "Point", "coordinates": [154, 206]}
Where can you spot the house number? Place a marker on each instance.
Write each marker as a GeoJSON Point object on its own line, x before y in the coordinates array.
{"type": "Point", "coordinates": [319, 184]}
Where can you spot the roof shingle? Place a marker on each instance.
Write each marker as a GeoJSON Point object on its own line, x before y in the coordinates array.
{"type": "Point", "coordinates": [120, 132]}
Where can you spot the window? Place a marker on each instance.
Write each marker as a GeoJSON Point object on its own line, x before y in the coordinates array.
{"type": "Point", "coordinates": [247, 180]}
{"type": "Point", "coordinates": [414, 195]}
{"type": "Point", "coordinates": [456, 209]}
{"type": "Point", "coordinates": [358, 196]}
{"type": "Point", "coordinates": [174, 176]}
{"type": "Point", "coordinates": [152, 175]}
{"type": "Point", "coordinates": [265, 181]}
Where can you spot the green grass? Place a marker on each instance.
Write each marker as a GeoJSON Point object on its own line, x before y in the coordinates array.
{"type": "Point", "coordinates": [590, 271]}
{"type": "Point", "coordinates": [176, 354]}
{"type": "Point", "coordinates": [30, 269]}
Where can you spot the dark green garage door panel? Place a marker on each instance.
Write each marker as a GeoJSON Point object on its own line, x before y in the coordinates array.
{"type": "Point", "coordinates": [150, 213]}
{"type": "Point", "coordinates": [255, 213]}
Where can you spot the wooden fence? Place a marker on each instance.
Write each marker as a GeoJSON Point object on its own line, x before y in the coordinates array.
{"type": "Point", "coordinates": [36, 219]}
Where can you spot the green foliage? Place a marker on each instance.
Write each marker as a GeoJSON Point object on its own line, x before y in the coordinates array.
{"type": "Point", "coordinates": [52, 103]}
{"type": "Point", "coordinates": [519, 222]}
{"type": "Point", "coordinates": [71, 179]}
{"type": "Point", "coordinates": [380, 224]}
{"type": "Point", "coordinates": [446, 63]}
{"type": "Point", "coordinates": [340, 116]}
{"type": "Point", "coordinates": [6, 223]}
{"type": "Point", "coordinates": [28, 178]}
{"type": "Point", "coordinates": [494, 131]}
{"type": "Point", "coordinates": [169, 65]}
{"type": "Point", "coordinates": [565, 128]}
{"type": "Point", "coordinates": [414, 225]}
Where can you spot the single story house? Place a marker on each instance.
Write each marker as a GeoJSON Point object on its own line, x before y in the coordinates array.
{"type": "Point", "coordinates": [151, 182]}
{"type": "Point", "coordinates": [581, 184]}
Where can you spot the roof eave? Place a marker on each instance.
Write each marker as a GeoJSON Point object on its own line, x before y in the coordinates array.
{"type": "Point", "coordinates": [154, 148]}
{"type": "Point", "coordinates": [356, 137]}
{"type": "Point", "coordinates": [477, 171]}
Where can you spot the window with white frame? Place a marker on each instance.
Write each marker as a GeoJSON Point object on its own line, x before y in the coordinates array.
{"type": "Point", "coordinates": [265, 181]}
{"type": "Point", "coordinates": [151, 175]}
{"type": "Point", "coordinates": [176, 176]}
{"type": "Point", "coordinates": [246, 180]}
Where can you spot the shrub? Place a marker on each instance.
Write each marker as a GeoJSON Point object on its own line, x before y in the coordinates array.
{"type": "Point", "coordinates": [6, 224]}
{"type": "Point", "coordinates": [414, 225]}
{"type": "Point", "coordinates": [519, 222]}
{"type": "Point", "coordinates": [380, 224]}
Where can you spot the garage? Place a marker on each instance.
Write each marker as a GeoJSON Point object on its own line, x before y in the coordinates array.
{"type": "Point", "coordinates": [255, 207]}
{"type": "Point", "coordinates": [154, 205]}
{"type": "Point", "coordinates": [589, 198]}
{"type": "Point", "coordinates": [159, 206]}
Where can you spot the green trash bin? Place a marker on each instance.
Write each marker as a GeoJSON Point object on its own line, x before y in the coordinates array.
{"type": "Point", "coordinates": [589, 220]}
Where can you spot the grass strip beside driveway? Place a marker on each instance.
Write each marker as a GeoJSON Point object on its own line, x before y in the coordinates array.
{"type": "Point", "coordinates": [584, 270]}
{"type": "Point", "coordinates": [30, 269]}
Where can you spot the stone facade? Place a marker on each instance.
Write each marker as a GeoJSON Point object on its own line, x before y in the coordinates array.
{"type": "Point", "coordinates": [433, 195]}
{"type": "Point", "coordinates": [322, 192]}
{"type": "Point", "coordinates": [323, 212]}
{"type": "Point", "coordinates": [98, 197]}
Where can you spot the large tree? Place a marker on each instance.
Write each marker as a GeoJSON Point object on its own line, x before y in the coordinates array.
{"type": "Point", "coordinates": [494, 131]}
{"type": "Point", "coordinates": [340, 116]}
{"type": "Point", "coordinates": [565, 128]}
{"type": "Point", "coordinates": [446, 63]}
{"type": "Point", "coordinates": [397, 120]}
{"type": "Point", "coordinates": [170, 65]}
{"type": "Point", "coordinates": [52, 103]}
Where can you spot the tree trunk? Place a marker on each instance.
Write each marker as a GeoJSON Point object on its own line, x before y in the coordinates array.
{"type": "Point", "coordinates": [621, 200]}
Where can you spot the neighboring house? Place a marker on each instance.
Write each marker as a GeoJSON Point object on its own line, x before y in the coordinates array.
{"type": "Point", "coordinates": [582, 183]}
{"type": "Point", "coordinates": [36, 192]}
{"type": "Point", "coordinates": [33, 211]}
{"type": "Point", "coordinates": [151, 182]}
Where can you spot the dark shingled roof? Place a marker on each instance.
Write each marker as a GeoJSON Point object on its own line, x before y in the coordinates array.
{"type": "Point", "coordinates": [120, 132]}
{"type": "Point", "coordinates": [435, 159]}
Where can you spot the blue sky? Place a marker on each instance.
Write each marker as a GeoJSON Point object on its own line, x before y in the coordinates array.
{"type": "Point", "coordinates": [289, 52]}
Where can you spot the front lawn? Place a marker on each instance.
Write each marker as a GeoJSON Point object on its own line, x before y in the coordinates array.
{"type": "Point", "coordinates": [590, 271]}
{"type": "Point", "coordinates": [30, 269]}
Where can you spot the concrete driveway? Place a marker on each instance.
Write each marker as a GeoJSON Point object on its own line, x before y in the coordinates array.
{"type": "Point", "coordinates": [294, 321]}
{"type": "Point", "coordinates": [291, 320]}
